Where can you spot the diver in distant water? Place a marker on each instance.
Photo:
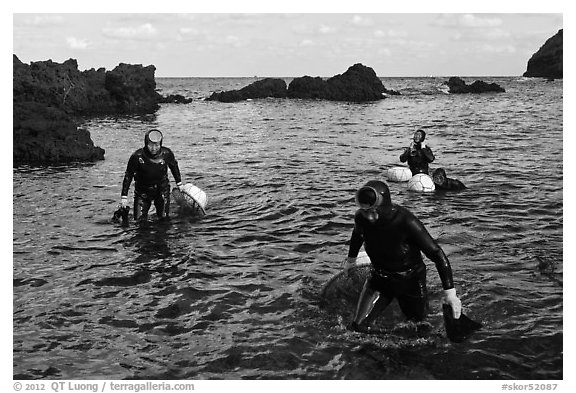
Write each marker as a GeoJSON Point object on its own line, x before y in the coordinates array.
{"type": "Point", "coordinates": [394, 239]}
{"type": "Point", "coordinates": [418, 154]}
{"type": "Point", "coordinates": [444, 183]}
{"type": "Point", "coordinates": [148, 166]}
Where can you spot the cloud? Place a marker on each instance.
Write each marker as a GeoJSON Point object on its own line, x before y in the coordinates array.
{"type": "Point", "coordinates": [44, 20]}
{"type": "Point", "coordinates": [358, 20]}
{"type": "Point", "coordinates": [190, 33]}
{"type": "Point", "coordinates": [412, 46]}
{"type": "Point", "coordinates": [313, 29]}
{"type": "Point", "coordinates": [482, 35]}
{"type": "Point", "coordinates": [498, 49]}
{"type": "Point", "coordinates": [231, 40]}
{"type": "Point", "coordinates": [75, 43]}
{"type": "Point", "coordinates": [142, 32]}
{"type": "Point", "coordinates": [466, 21]}
{"type": "Point", "coordinates": [389, 34]}
{"type": "Point", "coordinates": [384, 52]}
{"type": "Point", "coordinates": [323, 29]}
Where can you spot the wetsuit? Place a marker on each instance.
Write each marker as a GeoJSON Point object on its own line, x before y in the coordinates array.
{"type": "Point", "coordinates": [418, 159]}
{"type": "Point", "coordinates": [450, 185]}
{"type": "Point", "coordinates": [444, 183]}
{"type": "Point", "coordinates": [151, 180]}
{"type": "Point", "coordinates": [394, 243]}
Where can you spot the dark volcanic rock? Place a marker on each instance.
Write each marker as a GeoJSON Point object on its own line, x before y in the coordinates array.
{"type": "Point", "coordinates": [46, 96]}
{"type": "Point", "coordinates": [307, 87]}
{"type": "Point", "coordinates": [264, 88]}
{"type": "Point", "coordinates": [547, 61]}
{"type": "Point", "coordinates": [125, 89]}
{"type": "Point", "coordinates": [46, 135]}
{"type": "Point", "coordinates": [458, 86]}
{"type": "Point", "coordinates": [133, 88]}
{"type": "Point", "coordinates": [358, 84]}
{"type": "Point", "coordinates": [175, 99]}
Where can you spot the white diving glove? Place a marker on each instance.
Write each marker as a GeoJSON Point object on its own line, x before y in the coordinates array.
{"type": "Point", "coordinates": [453, 301]}
{"type": "Point", "coordinates": [123, 201]}
{"type": "Point", "coordinates": [348, 263]}
{"type": "Point", "coordinates": [180, 186]}
{"type": "Point", "coordinates": [422, 145]}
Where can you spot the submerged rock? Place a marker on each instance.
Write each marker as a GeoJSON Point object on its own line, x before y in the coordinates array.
{"type": "Point", "coordinates": [458, 86]}
{"type": "Point", "coordinates": [547, 61]}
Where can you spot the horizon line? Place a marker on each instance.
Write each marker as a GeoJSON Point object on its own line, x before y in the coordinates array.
{"type": "Point", "coordinates": [397, 76]}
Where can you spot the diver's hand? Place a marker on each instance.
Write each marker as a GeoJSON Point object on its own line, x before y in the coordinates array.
{"type": "Point", "coordinates": [348, 263]}
{"type": "Point", "coordinates": [124, 201]}
{"type": "Point", "coordinates": [422, 145]}
{"type": "Point", "coordinates": [180, 186]}
{"type": "Point", "coordinates": [453, 301]}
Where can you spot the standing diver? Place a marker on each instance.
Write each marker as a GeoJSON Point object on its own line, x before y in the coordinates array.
{"type": "Point", "coordinates": [418, 154]}
{"type": "Point", "coordinates": [149, 168]}
{"type": "Point", "coordinates": [393, 239]}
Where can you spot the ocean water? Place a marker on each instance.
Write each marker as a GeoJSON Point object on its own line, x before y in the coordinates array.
{"type": "Point", "coordinates": [236, 294]}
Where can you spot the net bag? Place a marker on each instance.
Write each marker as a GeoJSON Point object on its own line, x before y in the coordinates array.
{"type": "Point", "coordinates": [191, 199]}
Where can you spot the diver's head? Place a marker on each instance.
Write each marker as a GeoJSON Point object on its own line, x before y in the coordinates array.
{"type": "Point", "coordinates": [439, 176]}
{"type": "Point", "coordinates": [153, 141]}
{"type": "Point", "coordinates": [419, 136]}
{"type": "Point", "coordinates": [372, 198]}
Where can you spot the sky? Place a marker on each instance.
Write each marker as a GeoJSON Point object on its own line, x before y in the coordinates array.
{"type": "Point", "coordinates": [290, 43]}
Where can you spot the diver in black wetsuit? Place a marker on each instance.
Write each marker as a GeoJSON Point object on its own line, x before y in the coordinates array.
{"type": "Point", "coordinates": [418, 154]}
{"type": "Point", "coordinates": [393, 239]}
{"type": "Point", "coordinates": [444, 183]}
{"type": "Point", "coordinates": [149, 168]}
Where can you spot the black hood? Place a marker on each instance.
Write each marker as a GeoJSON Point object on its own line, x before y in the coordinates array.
{"type": "Point", "coordinates": [147, 139]}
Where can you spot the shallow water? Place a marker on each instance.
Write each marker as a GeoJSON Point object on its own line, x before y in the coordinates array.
{"type": "Point", "coordinates": [235, 294]}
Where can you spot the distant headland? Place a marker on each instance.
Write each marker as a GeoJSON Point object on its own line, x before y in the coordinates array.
{"type": "Point", "coordinates": [547, 61]}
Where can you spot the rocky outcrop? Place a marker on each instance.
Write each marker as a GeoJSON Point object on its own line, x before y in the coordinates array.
{"type": "Point", "coordinates": [307, 87]}
{"type": "Point", "coordinates": [125, 89]}
{"type": "Point", "coordinates": [264, 88]}
{"type": "Point", "coordinates": [175, 99]}
{"type": "Point", "coordinates": [547, 61]}
{"type": "Point", "coordinates": [45, 135]}
{"type": "Point", "coordinates": [48, 95]}
{"type": "Point", "coordinates": [458, 86]}
{"type": "Point", "coordinates": [358, 84]}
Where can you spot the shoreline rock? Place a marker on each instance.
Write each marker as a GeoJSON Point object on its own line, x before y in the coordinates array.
{"type": "Point", "coordinates": [547, 62]}
{"type": "Point", "coordinates": [46, 135]}
{"type": "Point", "coordinates": [48, 96]}
{"type": "Point", "coordinates": [125, 89]}
{"type": "Point", "coordinates": [358, 84]}
{"type": "Point", "coordinates": [458, 86]}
